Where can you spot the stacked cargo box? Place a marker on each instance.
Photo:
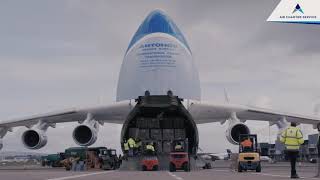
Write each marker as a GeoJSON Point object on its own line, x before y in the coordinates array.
{"type": "Point", "coordinates": [144, 134]}
{"type": "Point", "coordinates": [154, 123]}
{"type": "Point", "coordinates": [134, 132]}
{"type": "Point", "coordinates": [159, 147]}
{"type": "Point", "coordinates": [166, 123]}
{"type": "Point", "coordinates": [142, 122]}
{"type": "Point", "coordinates": [179, 134]}
{"type": "Point", "coordinates": [156, 134]}
{"type": "Point", "coordinates": [161, 131]}
{"type": "Point", "coordinates": [168, 134]}
{"type": "Point", "coordinates": [178, 123]}
{"type": "Point", "coordinates": [166, 147]}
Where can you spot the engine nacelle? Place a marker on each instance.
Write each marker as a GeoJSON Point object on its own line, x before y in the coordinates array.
{"type": "Point", "coordinates": [235, 130]}
{"type": "Point", "coordinates": [34, 138]}
{"type": "Point", "coordinates": [86, 134]}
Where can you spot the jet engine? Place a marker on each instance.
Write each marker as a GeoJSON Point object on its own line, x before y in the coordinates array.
{"type": "Point", "coordinates": [34, 138]}
{"type": "Point", "coordinates": [86, 134]}
{"type": "Point", "coordinates": [235, 130]}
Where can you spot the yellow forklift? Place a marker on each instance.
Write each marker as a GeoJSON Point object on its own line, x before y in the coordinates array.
{"type": "Point", "coordinates": [249, 154]}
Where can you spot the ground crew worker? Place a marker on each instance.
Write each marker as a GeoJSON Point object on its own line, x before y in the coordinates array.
{"type": "Point", "coordinates": [178, 147]}
{"type": "Point", "coordinates": [137, 146]}
{"type": "Point", "coordinates": [292, 138]}
{"type": "Point", "coordinates": [318, 148]}
{"type": "Point", "coordinates": [132, 144]}
{"type": "Point", "coordinates": [126, 148]}
{"type": "Point", "coordinates": [150, 148]}
{"type": "Point", "coordinates": [246, 144]}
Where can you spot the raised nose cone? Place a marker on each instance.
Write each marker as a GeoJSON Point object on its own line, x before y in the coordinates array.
{"type": "Point", "coordinates": [158, 22]}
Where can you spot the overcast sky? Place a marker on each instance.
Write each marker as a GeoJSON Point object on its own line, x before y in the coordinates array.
{"type": "Point", "coordinates": [68, 53]}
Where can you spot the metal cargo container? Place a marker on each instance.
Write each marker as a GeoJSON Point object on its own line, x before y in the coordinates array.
{"type": "Point", "coordinates": [133, 132]}
{"type": "Point", "coordinates": [168, 134]}
{"type": "Point", "coordinates": [153, 123]}
{"type": "Point", "coordinates": [159, 147]}
{"type": "Point", "coordinates": [166, 123]}
{"type": "Point", "coordinates": [179, 134]}
{"type": "Point", "coordinates": [166, 146]}
{"type": "Point", "coordinates": [144, 134]}
{"type": "Point", "coordinates": [156, 134]}
{"type": "Point", "coordinates": [178, 123]}
{"type": "Point", "coordinates": [142, 122]}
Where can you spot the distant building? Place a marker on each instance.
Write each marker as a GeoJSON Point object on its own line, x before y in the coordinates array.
{"type": "Point", "coordinates": [276, 151]}
{"type": "Point", "coordinates": [312, 146]}
{"type": "Point", "coordinates": [264, 149]}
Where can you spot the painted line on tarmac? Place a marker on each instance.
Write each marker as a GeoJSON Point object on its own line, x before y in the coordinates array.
{"type": "Point", "coordinates": [80, 175]}
{"type": "Point", "coordinates": [282, 176]}
{"type": "Point", "coordinates": [272, 175]}
{"type": "Point", "coordinates": [175, 176]}
{"type": "Point", "coordinates": [221, 170]}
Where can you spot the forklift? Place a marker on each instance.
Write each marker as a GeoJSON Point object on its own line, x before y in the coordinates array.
{"type": "Point", "coordinates": [149, 161]}
{"type": "Point", "coordinates": [179, 156]}
{"type": "Point", "coordinates": [109, 159]}
{"type": "Point", "coordinates": [249, 154]}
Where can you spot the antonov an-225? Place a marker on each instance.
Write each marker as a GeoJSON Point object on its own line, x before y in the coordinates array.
{"type": "Point", "coordinates": [157, 78]}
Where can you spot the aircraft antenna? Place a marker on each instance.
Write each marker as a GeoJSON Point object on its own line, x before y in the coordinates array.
{"type": "Point", "coordinates": [226, 97]}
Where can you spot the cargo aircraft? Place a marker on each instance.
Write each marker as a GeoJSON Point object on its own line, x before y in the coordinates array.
{"type": "Point", "coordinates": [158, 98]}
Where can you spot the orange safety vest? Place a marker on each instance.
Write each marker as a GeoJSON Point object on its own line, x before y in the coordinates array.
{"type": "Point", "coordinates": [246, 143]}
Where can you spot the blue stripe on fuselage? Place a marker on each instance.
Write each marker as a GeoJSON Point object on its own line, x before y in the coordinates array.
{"type": "Point", "coordinates": [157, 21]}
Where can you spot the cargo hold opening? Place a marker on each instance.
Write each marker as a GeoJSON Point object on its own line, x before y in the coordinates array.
{"type": "Point", "coordinates": [161, 119]}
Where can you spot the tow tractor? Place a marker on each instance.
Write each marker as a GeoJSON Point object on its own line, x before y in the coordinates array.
{"type": "Point", "coordinates": [249, 154]}
{"type": "Point", "coordinates": [149, 160]}
{"type": "Point", "coordinates": [109, 159]}
{"type": "Point", "coordinates": [94, 157]}
{"type": "Point", "coordinates": [179, 156]}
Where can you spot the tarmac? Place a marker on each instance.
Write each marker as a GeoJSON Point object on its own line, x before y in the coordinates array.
{"type": "Point", "coordinates": [269, 171]}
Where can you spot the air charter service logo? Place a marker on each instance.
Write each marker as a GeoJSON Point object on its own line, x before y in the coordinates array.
{"type": "Point", "coordinates": [297, 11]}
{"type": "Point", "coordinates": [297, 8]}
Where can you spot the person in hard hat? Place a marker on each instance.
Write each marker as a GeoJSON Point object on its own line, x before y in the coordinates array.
{"type": "Point", "coordinates": [132, 144]}
{"type": "Point", "coordinates": [150, 149]}
{"type": "Point", "coordinates": [126, 148]}
{"type": "Point", "coordinates": [137, 146]}
{"type": "Point", "coordinates": [178, 147]}
{"type": "Point", "coordinates": [247, 145]}
{"type": "Point", "coordinates": [292, 138]}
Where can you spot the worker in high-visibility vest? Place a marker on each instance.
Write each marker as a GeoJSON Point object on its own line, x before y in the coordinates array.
{"type": "Point", "coordinates": [247, 145]}
{"type": "Point", "coordinates": [137, 146]}
{"type": "Point", "coordinates": [132, 144]}
{"type": "Point", "coordinates": [292, 138]}
{"type": "Point", "coordinates": [150, 149]}
{"type": "Point", "coordinates": [178, 147]}
{"type": "Point", "coordinates": [126, 147]}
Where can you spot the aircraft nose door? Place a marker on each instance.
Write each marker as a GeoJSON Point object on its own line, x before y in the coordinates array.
{"type": "Point", "coordinates": [158, 59]}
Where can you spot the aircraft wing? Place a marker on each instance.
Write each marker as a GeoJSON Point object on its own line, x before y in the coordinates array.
{"type": "Point", "coordinates": [114, 113]}
{"type": "Point", "coordinates": [207, 113]}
